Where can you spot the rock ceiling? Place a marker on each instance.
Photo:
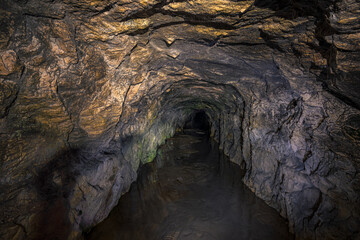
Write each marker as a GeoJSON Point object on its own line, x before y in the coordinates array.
{"type": "Point", "coordinates": [89, 89]}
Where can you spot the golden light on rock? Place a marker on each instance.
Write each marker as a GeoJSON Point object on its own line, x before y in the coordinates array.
{"type": "Point", "coordinates": [89, 91]}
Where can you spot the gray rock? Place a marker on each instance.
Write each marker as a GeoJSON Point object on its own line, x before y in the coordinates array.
{"type": "Point", "coordinates": [90, 89]}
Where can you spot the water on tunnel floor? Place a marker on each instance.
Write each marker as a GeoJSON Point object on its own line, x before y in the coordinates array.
{"type": "Point", "coordinates": [190, 192]}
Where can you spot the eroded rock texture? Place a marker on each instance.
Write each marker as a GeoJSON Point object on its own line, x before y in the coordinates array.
{"type": "Point", "coordinates": [89, 89]}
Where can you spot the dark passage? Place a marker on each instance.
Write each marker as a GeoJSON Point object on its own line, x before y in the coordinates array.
{"type": "Point", "coordinates": [190, 192]}
{"type": "Point", "coordinates": [198, 120]}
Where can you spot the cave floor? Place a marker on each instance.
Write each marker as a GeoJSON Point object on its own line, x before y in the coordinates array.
{"type": "Point", "coordinates": [190, 191]}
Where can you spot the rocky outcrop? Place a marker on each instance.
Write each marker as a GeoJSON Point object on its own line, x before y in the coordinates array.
{"type": "Point", "coordinates": [89, 89]}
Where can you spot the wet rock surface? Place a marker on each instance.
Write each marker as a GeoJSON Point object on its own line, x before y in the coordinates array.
{"type": "Point", "coordinates": [90, 89]}
{"type": "Point", "coordinates": [191, 191]}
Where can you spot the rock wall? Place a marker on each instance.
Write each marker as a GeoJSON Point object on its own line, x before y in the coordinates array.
{"type": "Point", "coordinates": [89, 89]}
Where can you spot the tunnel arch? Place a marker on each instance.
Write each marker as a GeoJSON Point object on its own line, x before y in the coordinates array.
{"type": "Point", "coordinates": [110, 82]}
{"type": "Point", "coordinates": [171, 105]}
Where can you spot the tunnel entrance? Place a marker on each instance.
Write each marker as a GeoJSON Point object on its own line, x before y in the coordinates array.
{"type": "Point", "coordinates": [198, 120]}
{"type": "Point", "coordinates": [191, 191]}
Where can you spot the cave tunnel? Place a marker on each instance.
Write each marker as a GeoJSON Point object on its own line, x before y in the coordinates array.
{"type": "Point", "coordinates": [191, 191]}
{"type": "Point", "coordinates": [198, 120]}
{"type": "Point", "coordinates": [255, 101]}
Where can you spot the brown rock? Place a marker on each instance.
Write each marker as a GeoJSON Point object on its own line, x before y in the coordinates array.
{"type": "Point", "coordinates": [8, 62]}
{"type": "Point", "coordinates": [90, 89]}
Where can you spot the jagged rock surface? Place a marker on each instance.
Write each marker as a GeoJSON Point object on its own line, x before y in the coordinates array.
{"type": "Point", "coordinates": [89, 89]}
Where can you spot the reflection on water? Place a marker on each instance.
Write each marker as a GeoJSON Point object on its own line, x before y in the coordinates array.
{"type": "Point", "coordinates": [190, 192]}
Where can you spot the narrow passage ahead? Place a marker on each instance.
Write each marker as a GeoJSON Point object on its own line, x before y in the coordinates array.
{"type": "Point", "coordinates": [190, 192]}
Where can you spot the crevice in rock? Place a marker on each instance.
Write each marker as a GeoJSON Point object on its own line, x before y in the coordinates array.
{"type": "Point", "coordinates": [338, 95]}
{"type": "Point", "coordinates": [44, 16]}
{"type": "Point", "coordinates": [12, 102]}
{"type": "Point", "coordinates": [105, 9]}
{"type": "Point", "coordinates": [104, 84]}
{"type": "Point", "coordinates": [268, 40]}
